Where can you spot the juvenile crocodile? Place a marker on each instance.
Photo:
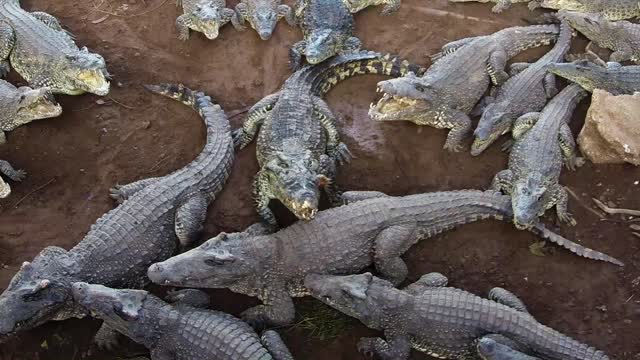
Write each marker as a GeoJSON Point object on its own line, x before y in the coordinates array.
{"type": "Point", "coordinates": [156, 215]}
{"type": "Point", "coordinates": [45, 55]}
{"type": "Point", "coordinates": [444, 322]}
{"type": "Point", "coordinates": [390, 6]}
{"type": "Point", "coordinates": [205, 16]}
{"type": "Point", "coordinates": [452, 86]}
{"type": "Point", "coordinates": [23, 105]}
{"type": "Point", "coordinates": [298, 144]}
{"type": "Point", "coordinates": [526, 92]}
{"type": "Point", "coordinates": [262, 15]}
{"type": "Point", "coordinates": [500, 6]}
{"type": "Point", "coordinates": [327, 28]}
{"type": "Point", "coordinates": [375, 229]}
{"type": "Point", "coordinates": [184, 330]}
{"type": "Point", "coordinates": [543, 141]}
{"type": "Point", "coordinates": [615, 78]}
{"type": "Point", "coordinates": [7, 170]}
{"type": "Point", "coordinates": [611, 9]}
{"type": "Point", "coordinates": [623, 37]}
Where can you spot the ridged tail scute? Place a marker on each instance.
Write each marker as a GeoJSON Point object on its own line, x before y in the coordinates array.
{"type": "Point", "coordinates": [361, 63]}
{"type": "Point", "coordinates": [577, 249]}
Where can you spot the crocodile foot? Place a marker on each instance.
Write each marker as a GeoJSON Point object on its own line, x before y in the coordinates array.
{"type": "Point", "coordinates": [391, 7]}
{"type": "Point", "coordinates": [18, 175]}
{"type": "Point", "coordinates": [568, 219]}
{"type": "Point", "coordinates": [342, 154]}
{"type": "Point", "coordinates": [117, 194]}
{"type": "Point", "coordinates": [367, 346]}
{"type": "Point", "coordinates": [452, 147]}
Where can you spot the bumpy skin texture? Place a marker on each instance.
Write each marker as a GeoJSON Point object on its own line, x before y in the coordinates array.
{"type": "Point", "coordinates": [543, 142]}
{"type": "Point", "coordinates": [205, 16]}
{"type": "Point", "coordinates": [45, 55]}
{"type": "Point", "coordinates": [262, 16]}
{"type": "Point", "coordinates": [459, 78]}
{"type": "Point", "coordinates": [180, 331]}
{"type": "Point", "coordinates": [445, 322]}
{"type": "Point", "coordinates": [390, 6]}
{"type": "Point", "coordinates": [155, 217]}
{"type": "Point", "coordinates": [623, 37]}
{"type": "Point", "coordinates": [299, 146]}
{"type": "Point", "coordinates": [528, 91]}
{"type": "Point", "coordinates": [327, 28]}
{"type": "Point", "coordinates": [342, 240]}
{"type": "Point", "coordinates": [615, 78]}
{"type": "Point", "coordinates": [500, 6]}
{"type": "Point", "coordinates": [7, 170]}
{"type": "Point", "coordinates": [611, 9]}
{"type": "Point", "coordinates": [23, 105]}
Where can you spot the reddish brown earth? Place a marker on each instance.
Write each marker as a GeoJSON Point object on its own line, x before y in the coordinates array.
{"type": "Point", "coordinates": [73, 160]}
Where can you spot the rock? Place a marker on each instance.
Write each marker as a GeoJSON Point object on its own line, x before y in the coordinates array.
{"type": "Point", "coordinates": [611, 133]}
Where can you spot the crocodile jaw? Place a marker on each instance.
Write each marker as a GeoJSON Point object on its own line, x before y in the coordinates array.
{"type": "Point", "coordinates": [391, 107]}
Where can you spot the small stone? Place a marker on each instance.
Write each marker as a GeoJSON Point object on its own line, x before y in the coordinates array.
{"type": "Point", "coordinates": [636, 182]}
{"type": "Point", "coordinates": [602, 308]}
{"type": "Point", "coordinates": [100, 102]}
{"type": "Point", "coordinates": [627, 321]}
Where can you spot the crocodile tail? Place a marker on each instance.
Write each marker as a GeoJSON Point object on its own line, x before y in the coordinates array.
{"type": "Point", "coordinates": [360, 63]}
{"type": "Point", "coordinates": [177, 92]}
{"type": "Point", "coordinates": [577, 249]}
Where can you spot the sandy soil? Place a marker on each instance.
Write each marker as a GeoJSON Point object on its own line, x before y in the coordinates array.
{"type": "Point", "coordinates": [73, 160]}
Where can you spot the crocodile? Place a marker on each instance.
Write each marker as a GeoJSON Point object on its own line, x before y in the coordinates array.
{"type": "Point", "coordinates": [623, 37]}
{"type": "Point", "coordinates": [526, 92]}
{"type": "Point", "coordinates": [327, 29]}
{"type": "Point", "coordinates": [542, 142]}
{"type": "Point", "coordinates": [23, 105]}
{"type": "Point", "coordinates": [390, 6]}
{"type": "Point", "coordinates": [155, 217]}
{"type": "Point", "coordinates": [610, 9]}
{"type": "Point", "coordinates": [372, 229]}
{"type": "Point", "coordinates": [614, 78]}
{"type": "Point", "coordinates": [205, 16]}
{"type": "Point", "coordinates": [262, 15]}
{"type": "Point", "coordinates": [14, 174]}
{"type": "Point", "coordinates": [444, 322]}
{"type": "Point", "coordinates": [455, 83]}
{"type": "Point", "coordinates": [45, 55]}
{"type": "Point", "coordinates": [182, 329]}
{"type": "Point", "coordinates": [500, 6]}
{"type": "Point", "coordinates": [298, 146]}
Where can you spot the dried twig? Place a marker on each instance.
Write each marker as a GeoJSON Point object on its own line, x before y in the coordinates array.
{"type": "Point", "coordinates": [131, 16]}
{"type": "Point", "coordinates": [612, 211]}
{"type": "Point", "coordinates": [592, 210]}
{"type": "Point", "coordinates": [233, 113]}
{"type": "Point", "coordinates": [121, 104]}
{"type": "Point", "coordinates": [34, 191]}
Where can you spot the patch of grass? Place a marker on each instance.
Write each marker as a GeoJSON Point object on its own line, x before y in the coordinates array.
{"type": "Point", "coordinates": [320, 321]}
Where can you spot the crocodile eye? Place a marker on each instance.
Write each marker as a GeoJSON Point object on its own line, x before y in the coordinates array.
{"type": "Point", "coordinates": [419, 87]}
{"type": "Point", "coordinates": [213, 262]}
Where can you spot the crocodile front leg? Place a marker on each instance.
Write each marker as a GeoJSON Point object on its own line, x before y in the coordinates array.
{"type": "Point", "coordinates": [263, 196]}
{"type": "Point", "coordinates": [452, 47]}
{"type": "Point", "coordinates": [274, 344]}
{"type": "Point", "coordinates": [7, 42]}
{"type": "Point", "coordinates": [16, 175]}
{"type": "Point", "coordinates": [389, 245]}
{"type": "Point", "coordinates": [277, 308]}
{"type": "Point", "coordinates": [120, 193]}
{"type": "Point", "coordinates": [395, 348]}
{"type": "Point", "coordinates": [426, 282]}
{"type": "Point", "coordinates": [523, 124]}
{"type": "Point", "coordinates": [503, 181]}
{"type": "Point", "coordinates": [460, 126]}
{"type": "Point", "coordinates": [621, 55]}
{"type": "Point", "coordinates": [489, 349]}
{"type": "Point", "coordinates": [506, 297]}
{"type": "Point", "coordinates": [255, 117]}
{"type": "Point", "coordinates": [557, 195]}
{"type": "Point", "coordinates": [227, 16]}
{"type": "Point", "coordinates": [496, 66]}
{"type": "Point", "coordinates": [568, 148]}
{"type": "Point", "coordinates": [295, 55]}
{"type": "Point", "coordinates": [241, 14]}
{"type": "Point", "coordinates": [284, 11]}
{"type": "Point", "coordinates": [182, 25]}
{"type": "Point", "coordinates": [336, 149]}
{"type": "Point", "coordinates": [189, 219]}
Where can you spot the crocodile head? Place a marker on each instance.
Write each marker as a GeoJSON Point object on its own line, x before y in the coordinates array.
{"type": "Point", "coordinates": [293, 178]}
{"type": "Point", "coordinates": [220, 262]}
{"type": "Point", "coordinates": [582, 72]}
{"type": "Point", "coordinates": [263, 18]}
{"type": "Point", "coordinates": [119, 308]}
{"type": "Point", "coordinates": [493, 123]}
{"type": "Point", "coordinates": [406, 98]}
{"type": "Point", "coordinates": [355, 295]}
{"type": "Point", "coordinates": [36, 294]}
{"type": "Point", "coordinates": [592, 25]}
{"type": "Point", "coordinates": [527, 200]}
{"type": "Point", "coordinates": [323, 44]}
{"type": "Point", "coordinates": [575, 5]}
{"type": "Point", "coordinates": [79, 73]}
{"type": "Point", "coordinates": [30, 104]}
{"type": "Point", "coordinates": [489, 349]}
{"type": "Point", "coordinates": [207, 18]}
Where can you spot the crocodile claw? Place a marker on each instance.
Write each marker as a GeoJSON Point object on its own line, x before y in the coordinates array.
{"type": "Point", "coordinates": [116, 194]}
{"type": "Point", "coordinates": [18, 176]}
{"type": "Point", "coordinates": [4, 68]}
{"type": "Point", "coordinates": [568, 219]}
{"type": "Point", "coordinates": [342, 154]}
{"type": "Point", "coordinates": [367, 346]}
{"type": "Point", "coordinates": [453, 147]}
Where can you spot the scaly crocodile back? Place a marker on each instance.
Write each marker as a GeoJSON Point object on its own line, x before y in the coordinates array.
{"type": "Point", "coordinates": [520, 38]}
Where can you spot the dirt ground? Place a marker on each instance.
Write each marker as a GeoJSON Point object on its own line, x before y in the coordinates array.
{"type": "Point", "coordinates": [73, 160]}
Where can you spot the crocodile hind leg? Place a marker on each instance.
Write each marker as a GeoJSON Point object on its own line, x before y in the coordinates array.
{"type": "Point", "coordinates": [182, 25]}
{"type": "Point", "coordinates": [460, 126]}
{"type": "Point", "coordinates": [390, 244]}
{"type": "Point", "coordinates": [274, 344]}
{"type": "Point", "coordinates": [295, 55]}
{"type": "Point", "coordinates": [452, 47]}
{"type": "Point", "coordinates": [255, 117]}
{"type": "Point", "coordinates": [568, 148]}
{"type": "Point", "coordinates": [489, 349]}
{"type": "Point", "coordinates": [397, 347]}
{"type": "Point", "coordinates": [7, 42]}
{"type": "Point", "coordinates": [120, 193]}
{"type": "Point", "coordinates": [352, 44]}
{"type": "Point", "coordinates": [621, 55]}
{"type": "Point", "coordinates": [277, 308]}
{"type": "Point", "coordinates": [327, 172]}
{"type": "Point", "coordinates": [503, 181]}
{"type": "Point", "coordinates": [523, 124]}
{"type": "Point", "coordinates": [426, 282]}
{"type": "Point", "coordinates": [350, 197]}
{"type": "Point", "coordinates": [335, 148]}
{"type": "Point", "coordinates": [192, 297]}
{"type": "Point", "coordinates": [189, 219]}
{"type": "Point", "coordinates": [506, 297]}
{"type": "Point", "coordinates": [496, 66]}
{"type": "Point", "coordinates": [263, 196]}
{"type": "Point", "coordinates": [501, 6]}
{"type": "Point", "coordinates": [557, 195]}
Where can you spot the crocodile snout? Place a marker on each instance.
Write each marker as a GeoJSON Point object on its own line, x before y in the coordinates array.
{"type": "Point", "coordinates": [79, 291]}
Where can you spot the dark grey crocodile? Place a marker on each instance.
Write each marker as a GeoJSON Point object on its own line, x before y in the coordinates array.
{"type": "Point", "coordinates": [528, 91]}
{"type": "Point", "coordinates": [155, 217]}
{"type": "Point", "coordinates": [623, 37]}
{"type": "Point", "coordinates": [298, 144]}
{"type": "Point", "coordinates": [375, 229]}
{"type": "Point", "coordinates": [262, 15]}
{"type": "Point", "coordinates": [444, 322]}
{"type": "Point", "coordinates": [459, 78]}
{"type": "Point", "coordinates": [611, 9]}
{"type": "Point", "coordinates": [205, 16]}
{"type": "Point", "coordinates": [7, 170]}
{"type": "Point", "coordinates": [614, 78]}
{"type": "Point", "coordinates": [45, 55]}
{"type": "Point", "coordinates": [543, 141]}
{"type": "Point", "coordinates": [23, 105]}
{"type": "Point", "coordinates": [327, 28]}
{"type": "Point", "coordinates": [182, 331]}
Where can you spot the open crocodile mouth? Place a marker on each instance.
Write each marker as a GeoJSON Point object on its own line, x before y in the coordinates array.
{"type": "Point", "coordinates": [394, 107]}
{"type": "Point", "coordinates": [94, 81]}
{"type": "Point", "coordinates": [305, 211]}
{"type": "Point", "coordinates": [479, 144]}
